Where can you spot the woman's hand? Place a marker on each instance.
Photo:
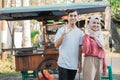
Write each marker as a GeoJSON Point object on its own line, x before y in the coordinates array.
{"type": "Point", "coordinates": [104, 73]}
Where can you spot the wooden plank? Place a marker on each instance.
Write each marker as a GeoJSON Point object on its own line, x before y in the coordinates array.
{"type": "Point", "coordinates": [29, 62]}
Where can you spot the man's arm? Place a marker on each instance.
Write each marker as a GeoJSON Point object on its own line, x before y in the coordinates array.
{"type": "Point", "coordinates": [80, 59]}
{"type": "Point", "coordinates": [58, 42]}
{"type": "Point", "coordinates": [80, 54]}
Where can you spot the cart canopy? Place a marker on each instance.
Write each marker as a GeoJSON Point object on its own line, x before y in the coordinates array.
{"type": "Point", "coordinates": [50, 11]}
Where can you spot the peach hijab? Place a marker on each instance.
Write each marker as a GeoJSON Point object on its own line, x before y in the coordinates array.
{"type": "Point", "coordinates": [97, 35]}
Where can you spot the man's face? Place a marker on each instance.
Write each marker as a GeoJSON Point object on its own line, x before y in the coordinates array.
{"type": "Point", "coordinates": [72, 17]}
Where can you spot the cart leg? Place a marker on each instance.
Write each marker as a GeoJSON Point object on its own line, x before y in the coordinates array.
{"type": "Point", "coordinates": [110, 75]}
{"type": "Point", "coordinates": [26, 74]}
{"type": "Point", "coordinates": [35, 74]}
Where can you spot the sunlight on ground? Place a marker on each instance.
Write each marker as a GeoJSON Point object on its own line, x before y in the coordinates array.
{"type": "Point", "coordinates": [112, 54]}
{"type": "Point", "coordinates": [116, 72]}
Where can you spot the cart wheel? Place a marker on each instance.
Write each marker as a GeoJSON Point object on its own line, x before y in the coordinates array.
{"type": "Point", "coordinates": [50, 65]}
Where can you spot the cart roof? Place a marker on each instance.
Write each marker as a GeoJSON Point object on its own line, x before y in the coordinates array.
{"type": "Point", "coordinates": [50, 11]}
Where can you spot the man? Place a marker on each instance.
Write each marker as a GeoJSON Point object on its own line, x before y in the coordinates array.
{"type": "Point", "coordinates": [69, 40]}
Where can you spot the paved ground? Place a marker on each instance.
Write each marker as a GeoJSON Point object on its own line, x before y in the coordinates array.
{"type": "Point", "coordinates": [116, 77]}
{"type": "Point", "coordinates": [112, 61]}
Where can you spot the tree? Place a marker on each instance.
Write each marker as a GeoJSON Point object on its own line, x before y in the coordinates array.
{"type": "Point", "coordinates": [115, 36]}
{"type": "Point", "coordinates": [26, 29]}
{"type": "Point", "coordinates": [115, 5]}
{"type": "Point", "coordinates": [115, 20]}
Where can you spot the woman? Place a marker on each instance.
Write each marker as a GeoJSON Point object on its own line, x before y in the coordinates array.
{"type": "Point", "coordinates": [93, 49]}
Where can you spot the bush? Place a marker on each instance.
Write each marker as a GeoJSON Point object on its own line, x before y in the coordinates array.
{"type": "Point", "coordinates": [34, 37]}
{"type": "Point", "coordinates": [7, 65]}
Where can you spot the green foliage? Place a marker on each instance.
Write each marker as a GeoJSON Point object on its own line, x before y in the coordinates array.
{"type": "Point", "coordinates": [118, 28]}
{"type": "Point", "coordinates": [7, 65]}
{"type": "Point", "coordinates": [34, 37]}
{"type": "Point", "coordinates": [34, 33]}
{"type": "Point", "coordinates": [7, 68]}
{"type": "Point", "coordinates": [12, 74]}
{"type": "Point", "coordinates": [115, 4]}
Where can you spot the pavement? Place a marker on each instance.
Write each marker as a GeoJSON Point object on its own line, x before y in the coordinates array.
{"type": "Point", "coordinates": [113, 61]}
{"type": "Point", "coordinates": [115, 77]}
{"type": "Point", "coordinates": [78, 77]}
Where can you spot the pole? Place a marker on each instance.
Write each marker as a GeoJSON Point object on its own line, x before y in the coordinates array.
{"type": "Point", "coordinates": [4, 36]}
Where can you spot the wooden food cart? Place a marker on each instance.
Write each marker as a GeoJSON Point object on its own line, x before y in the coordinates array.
{"type": "Point", "coordinates": [31, 63]}
{"type": "Point", "coordinates": [33, 60]}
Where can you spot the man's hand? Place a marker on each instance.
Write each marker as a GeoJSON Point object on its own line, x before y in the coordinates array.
{"type": "Point", "coordinates": [67, 30]}
{"type": "Point", "coordinates": [79, 67]}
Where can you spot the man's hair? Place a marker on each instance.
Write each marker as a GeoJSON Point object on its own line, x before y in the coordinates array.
{"type": "Point", "coordinates": [70, 11]}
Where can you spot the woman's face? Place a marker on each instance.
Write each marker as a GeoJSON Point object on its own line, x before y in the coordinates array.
{"type": "Point", "coordinates": [95, 25]}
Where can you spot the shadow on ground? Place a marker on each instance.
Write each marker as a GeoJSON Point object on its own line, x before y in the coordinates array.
{"type": "Point", "coordinates": [116, 77]}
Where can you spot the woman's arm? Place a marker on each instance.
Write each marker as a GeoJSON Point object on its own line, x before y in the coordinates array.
{"type": "Point", "coordinates": [104, 67]}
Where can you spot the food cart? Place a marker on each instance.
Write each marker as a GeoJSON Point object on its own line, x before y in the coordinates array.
{"type": "Point", "coordinates": [29, 59]}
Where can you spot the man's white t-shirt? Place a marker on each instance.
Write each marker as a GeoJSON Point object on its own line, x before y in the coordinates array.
{"type": "Point", "coordinates": [69, 49]}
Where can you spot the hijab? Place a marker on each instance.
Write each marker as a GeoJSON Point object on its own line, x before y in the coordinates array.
{"type": "Point", "coordinates": [97, 35]}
